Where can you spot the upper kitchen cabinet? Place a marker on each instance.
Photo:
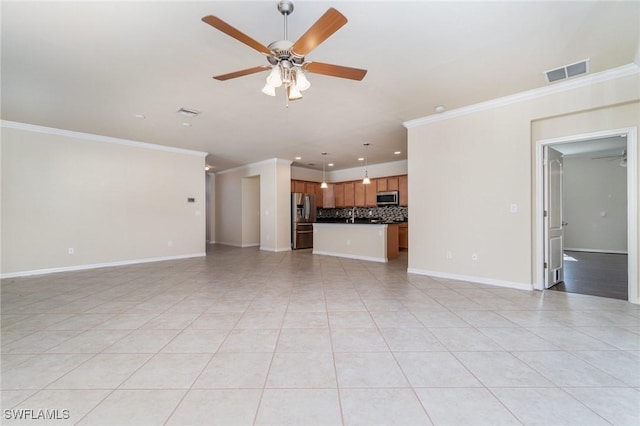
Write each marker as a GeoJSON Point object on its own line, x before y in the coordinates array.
{"type": "Point", "coordinates": [359, 195]}
{"type": "Point", "coordinates": [339, 195]}
{"type": "Point", "coordinates": [319, 196]}
{"type": "Point", "coordinates": [328, 197]}
{"type": "Point", "coordinates": [310, 187]}
{"type": "Point", "coordinates": [381, 184]}
{"type": "Point", "coordinates": [370, 192]}
{"type": "Point", "coordinates": [298, 186]}
{"type": "Point", "coordinates": [403, 187]}
{"type": "Point", "coordinates": [349, 194]}
{"type": "Point", "coordinates": [392, 184]}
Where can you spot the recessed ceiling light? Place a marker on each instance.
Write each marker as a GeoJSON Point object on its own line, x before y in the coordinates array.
{"type": "Point", "coordinates": [185, 124]}
{"type": "Point", "coordinates": [330, 164]}
{"type": "Point", "coordinates": [398, 152]}
{"type": "Point", "coordinates": [440, 108]}
{"type": "Point", "coordinates": [140, 116]}
{"type": "Point", "coordinates": [298, 158]}
{"type": "Point", "coordinates": [361, 159]}
{"type": "Point", "coordinates": [208, 167]}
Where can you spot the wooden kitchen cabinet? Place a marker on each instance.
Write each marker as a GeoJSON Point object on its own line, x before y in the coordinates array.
{"type": "Point", "coordinates": [403, 236]}
{"type": "Point", "coordinates": [381, 184]}
{"type": "Point", "coordinates": [319, 196]}
{"type": "Point", "coordinates": [359, 195]}
{"type": "Point", "coordinates": [349, 194]}
{"type": "Point", "coordinates": [310, 187]}
{"type": "Point", "coordinates": [328, 197]}
{"type": "Point", "coordinates": [370, 192]}
{"type": "Point", "coordinates": [297, 186]}
{"type": "Point", "coordinates": [403, 185]}
{"type": "Point", "coordinates": [339, 195]}
{"type": "Point", "coordinates": [392, 183]}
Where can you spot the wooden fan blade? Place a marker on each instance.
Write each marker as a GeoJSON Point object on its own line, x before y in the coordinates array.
{"type": "Point", "coordinates": [241, 73]}
{"type": "Point", "coordinates": [335, 70]}
{"type": "Point", "coordinates": [219, 24]}
{"type": "Point", "coordinates": [328, 24]}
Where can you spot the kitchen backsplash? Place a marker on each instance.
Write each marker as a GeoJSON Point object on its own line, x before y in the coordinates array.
{"type": "Point", "coordinates": [394, 213]}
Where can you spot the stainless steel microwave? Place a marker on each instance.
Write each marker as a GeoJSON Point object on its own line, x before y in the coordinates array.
{"type": "Point", "coordinates": [388, 198]}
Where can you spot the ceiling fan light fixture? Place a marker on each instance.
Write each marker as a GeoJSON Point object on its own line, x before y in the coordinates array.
{"type": "Point", "coordinates": [274, 79]}
{"type": "Point", "coordinates": [269, 90]}
{"type": "Point", "coordinates": [302, 83]}
{"type": "Point", "coordinates": [293, 93]}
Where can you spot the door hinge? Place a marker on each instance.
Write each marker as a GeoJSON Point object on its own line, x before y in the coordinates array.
{"type": "Point", "coordinates": [545, 213]}
{"type": "Point", "coordinates": [545, 265]}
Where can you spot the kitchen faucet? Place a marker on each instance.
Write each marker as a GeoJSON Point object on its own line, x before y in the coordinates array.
{"type": "Point", "coordinates": [353, 215]}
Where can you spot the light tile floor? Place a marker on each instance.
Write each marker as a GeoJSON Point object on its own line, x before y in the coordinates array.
{"type": "Point", "coordinates": [250, 337]}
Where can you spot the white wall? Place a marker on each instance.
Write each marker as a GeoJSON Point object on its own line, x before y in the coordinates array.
{"type": "Point", "coordinates": [211, 182]}
{"type": "Point", "coordinates": [112, 201]}
{"type": "Point", "coordinates": [468, 167]}
{"type": "Point", "coordinates": [595, 205]}
{"type": "Point", "coordinates": [275, 188]}
{"type": "Point", "coordinates": [251, 211]}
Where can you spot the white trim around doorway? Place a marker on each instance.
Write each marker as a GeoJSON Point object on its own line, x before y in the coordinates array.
{"type": "Point", "coordinates": [632, 203]}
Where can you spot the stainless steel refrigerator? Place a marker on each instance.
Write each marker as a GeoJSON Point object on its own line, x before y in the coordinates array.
{"type": "Point", "coordinates": [303, 214]}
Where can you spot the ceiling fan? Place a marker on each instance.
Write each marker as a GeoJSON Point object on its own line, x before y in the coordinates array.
{"type": "Point", "coordinates": [287, 63]}
{"type": "Point", "coordinates": [622, 157]}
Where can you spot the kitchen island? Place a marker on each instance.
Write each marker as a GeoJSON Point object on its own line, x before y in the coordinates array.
{"type": "Point", "coordinates": [376, 242]}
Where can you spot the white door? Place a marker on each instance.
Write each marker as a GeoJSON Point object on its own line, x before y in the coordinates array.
{"type": "Point", "coordinates": [553, 223]}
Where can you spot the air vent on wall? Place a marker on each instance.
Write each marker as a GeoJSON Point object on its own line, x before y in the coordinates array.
{"type": "Point", "coordinates": [567, 71]}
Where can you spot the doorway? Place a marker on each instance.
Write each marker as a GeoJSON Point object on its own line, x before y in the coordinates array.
{"type": "Point", "coordinates": [603, 250]}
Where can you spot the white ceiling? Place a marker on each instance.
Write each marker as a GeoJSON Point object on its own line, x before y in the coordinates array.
{"type": "Point", "coordinates": [92, 66]}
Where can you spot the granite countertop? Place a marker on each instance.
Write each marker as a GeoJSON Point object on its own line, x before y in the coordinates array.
{"type": "Point", "coordinates": [358, 221]}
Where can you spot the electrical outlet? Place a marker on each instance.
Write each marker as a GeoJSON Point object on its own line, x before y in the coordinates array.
{"type": "Point", "coordinates": [348, 242]}
{"type": "Point", "coordinates": [170, 243]}
{"type": "Point", "coordinates": [449, 255]}
{"type": "Point", "coordinates": [474, 256]}
{"type": "Point", "coordinates": [70, 250]}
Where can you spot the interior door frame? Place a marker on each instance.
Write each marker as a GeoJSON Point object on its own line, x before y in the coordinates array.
{"type": "Point", "coordinates": [632, 203]}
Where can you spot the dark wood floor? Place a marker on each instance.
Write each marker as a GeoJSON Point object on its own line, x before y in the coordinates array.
{"type": "Point", "coordinates": [596, 274]}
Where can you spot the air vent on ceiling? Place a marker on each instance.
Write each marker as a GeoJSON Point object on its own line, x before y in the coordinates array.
{"type": "Point", "coordinates": [567, 71]}
{"type": "Point", "coordinates": [188, 112]}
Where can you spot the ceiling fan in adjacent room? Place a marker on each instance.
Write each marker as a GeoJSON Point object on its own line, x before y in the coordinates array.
{"type": "Point", "coordinates": [287, 65]}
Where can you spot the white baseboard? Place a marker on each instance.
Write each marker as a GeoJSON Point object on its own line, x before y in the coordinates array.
{"type": "Point", "coordinates": [587, 250]}
{"type": "Point", "coordinates": [352, 256]}
{"type": "Point", "coordinates": [97, 265]}
{"type": "Point", "coordinates": [224, 243]}
{"type": "Point", "coordinates": [250, 245]}
{"type": "Point", "coordinates": [479, 280]}
{"type": "Point", "coordinates": [275, 250]}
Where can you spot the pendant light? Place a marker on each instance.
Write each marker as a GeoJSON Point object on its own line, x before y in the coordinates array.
{"type": "Point", "coordinates": [323, 185]}
{"type": "Point", "coordinates": [366, 179]}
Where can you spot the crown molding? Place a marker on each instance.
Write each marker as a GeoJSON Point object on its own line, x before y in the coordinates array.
{"type": "Point", "coordinates": [98, 138]}
{"type": "Point", "coordinates": [612, 74]}
{"type": "Point", "coordinates": [274, 161]}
